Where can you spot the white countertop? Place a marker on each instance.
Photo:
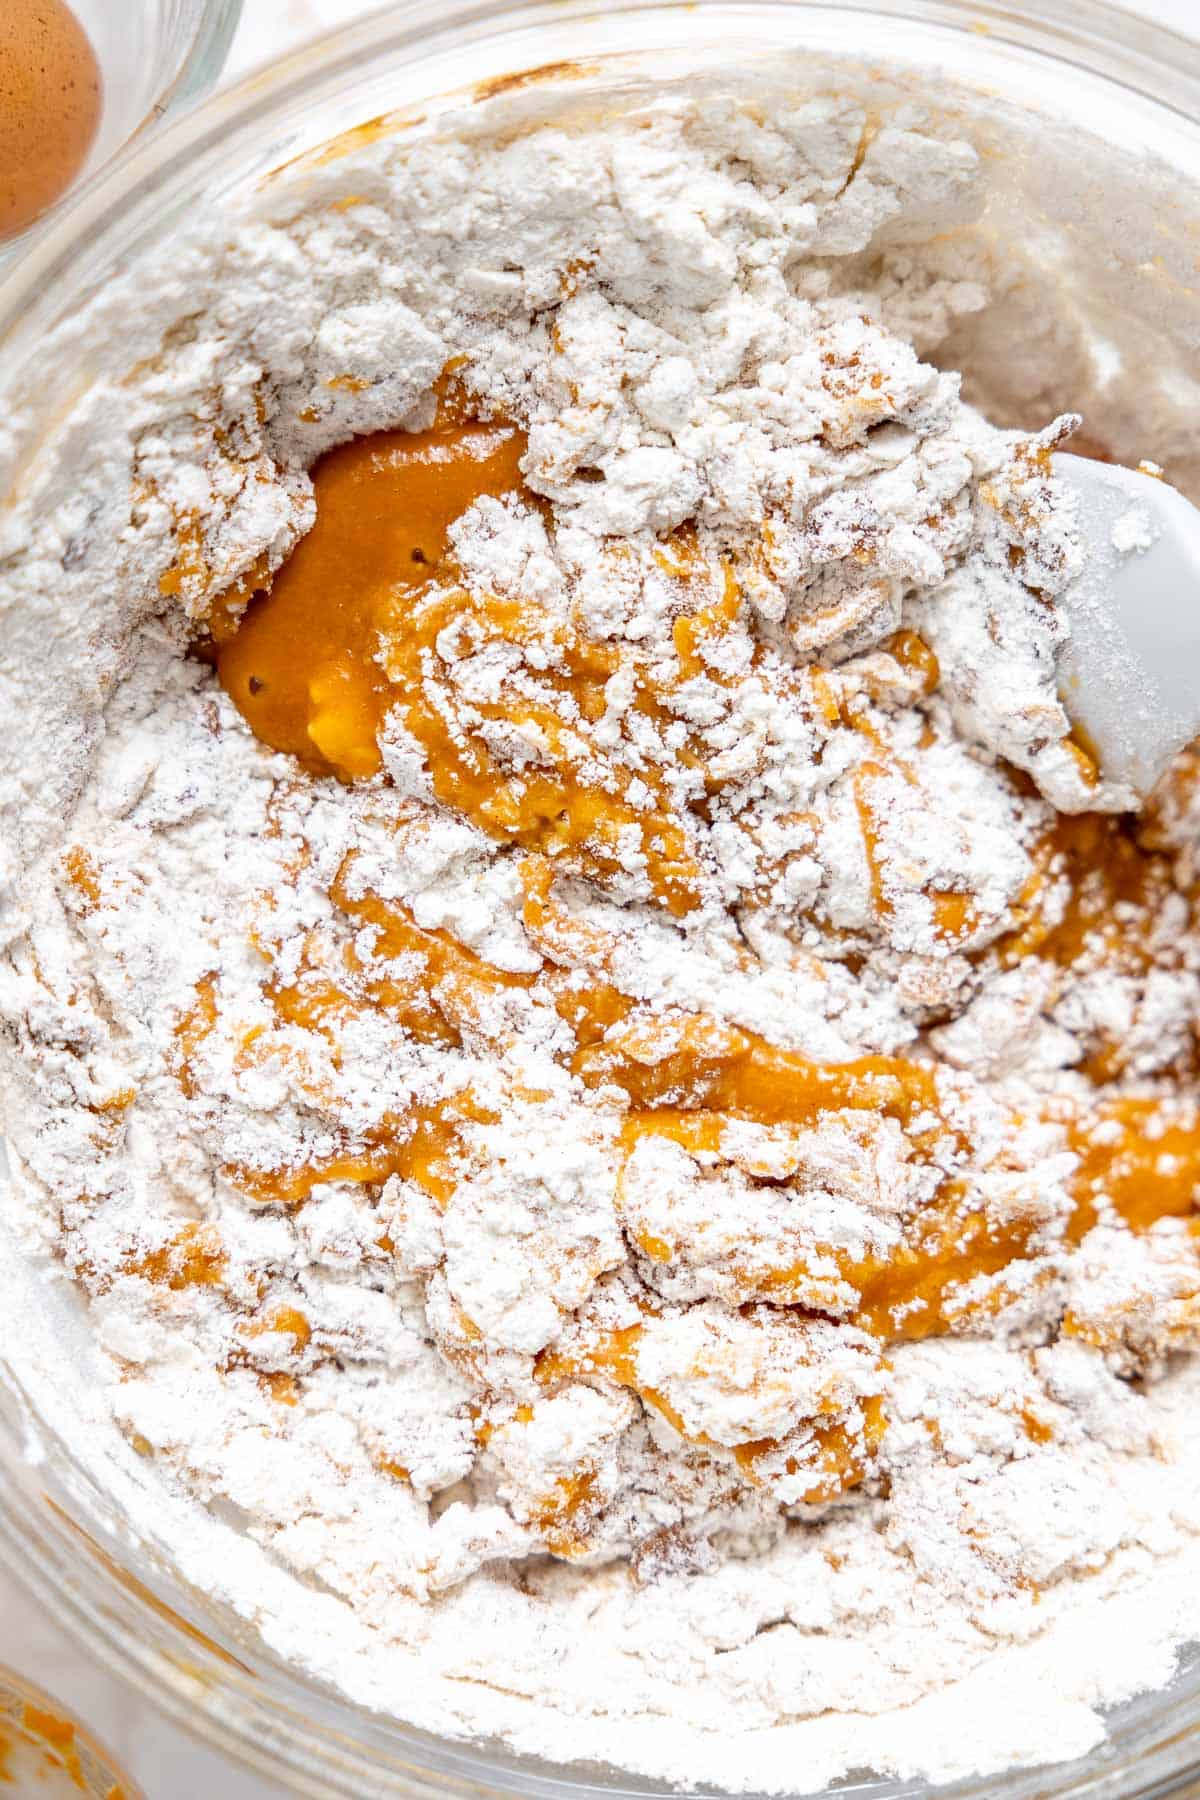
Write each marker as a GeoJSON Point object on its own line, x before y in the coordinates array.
{"type": "Point", "coordinates": [165, 1760]}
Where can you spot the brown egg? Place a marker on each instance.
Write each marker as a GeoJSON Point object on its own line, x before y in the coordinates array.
{"type": "Point", "coordinates": [49, 107]}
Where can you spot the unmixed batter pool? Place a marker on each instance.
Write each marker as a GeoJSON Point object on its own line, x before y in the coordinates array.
{"type": "Point", "coordinates": [620, 1090]}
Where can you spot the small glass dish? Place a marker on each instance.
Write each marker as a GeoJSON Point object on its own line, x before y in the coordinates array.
{"type": "Point", "coordinates": [155, 57]}
{"type": "Point", "coordinates": [45, 1752]}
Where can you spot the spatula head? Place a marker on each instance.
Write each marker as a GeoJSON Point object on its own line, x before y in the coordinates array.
{"type": "Point", "coordinates": [1131, 678]}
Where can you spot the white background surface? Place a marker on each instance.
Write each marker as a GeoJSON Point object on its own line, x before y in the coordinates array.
{"type": "Point", "coordinates": [165, 1761]}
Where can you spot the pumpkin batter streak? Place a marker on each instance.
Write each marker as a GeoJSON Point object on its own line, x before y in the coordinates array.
{"type": "Point", "coordinates": [349, 632]}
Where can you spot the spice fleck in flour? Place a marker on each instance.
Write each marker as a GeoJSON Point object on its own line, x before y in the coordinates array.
{"type": "Point", "coordinates": [619, 1089]}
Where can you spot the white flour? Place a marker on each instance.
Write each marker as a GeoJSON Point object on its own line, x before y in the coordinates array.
{"type": "Point", "coordinates": [650, 1356]}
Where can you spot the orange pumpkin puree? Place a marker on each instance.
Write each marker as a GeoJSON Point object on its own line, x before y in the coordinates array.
{"type": "Point", "coordinates": [347, 630]}
{"type": "Point", "coordinates": [302, 665]}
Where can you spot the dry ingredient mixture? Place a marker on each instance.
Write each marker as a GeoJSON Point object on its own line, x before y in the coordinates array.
{"type": "Point", "coordinates": [619, 1089]}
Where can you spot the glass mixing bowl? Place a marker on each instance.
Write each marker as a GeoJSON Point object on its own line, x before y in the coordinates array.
{"type": "Point", "coordinates": [1089, 67]}
{"type": "Point", "coordinates": [155, 57]}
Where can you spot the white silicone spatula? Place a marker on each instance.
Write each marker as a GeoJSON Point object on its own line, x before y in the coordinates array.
{"type": "Point", "coordinates": [1131, 678]}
